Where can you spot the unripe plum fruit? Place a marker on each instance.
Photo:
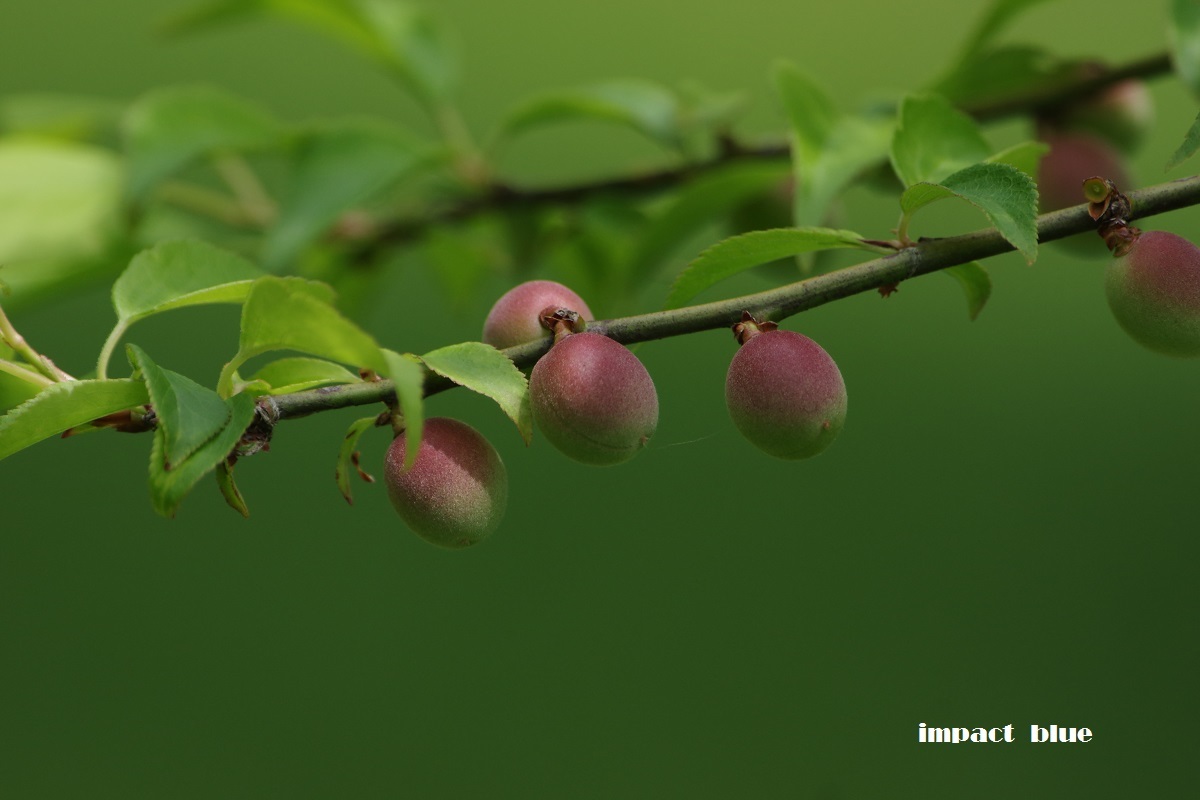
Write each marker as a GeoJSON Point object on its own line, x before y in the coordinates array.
{"type": "Point", "coordinates": [515, 318]}
{"type": "Point", "coordinates": [785, 394]}
{"type": "Point", "coordinates": [456, 490]}
{"type": "Point", "coordinates": [1122, 114]}
{"type": "Point", "coordinates": [1072, 159]}
{"type": "Point", "coordinates": [593, 399]}
{"type": "Point", "coordinates": [1154, 292]}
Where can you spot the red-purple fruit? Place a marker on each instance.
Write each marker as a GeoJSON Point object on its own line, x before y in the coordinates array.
{"type": "Point", "coordinates": [1154, 292]}
{"type": "Point", "coordinates": [515, 318]}
{"type": "Point", "coordinates": [1072, 159]}
{"type": "Point", "coordinates": [785, 394]}
{"type": "Point", "coordinates": [593, 399]}
{"type": "Point", "coordinates": [1122, 114]}
{"type": "Point", "coordinates": [455, 493]}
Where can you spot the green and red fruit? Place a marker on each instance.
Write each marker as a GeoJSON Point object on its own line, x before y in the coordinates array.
{"type": "Point", "coordinates": [1072, 159]}
{"type": "Point", "coordinates": [593, 399]}
{"type": "Point", "coordinates": [515, 318]}
{"type": "Point", "coordinates": [455, 492]}
{"type": "Point", "coordinates": [784, 393]}
{"type": "Point", "coordinates": [1153, 290]}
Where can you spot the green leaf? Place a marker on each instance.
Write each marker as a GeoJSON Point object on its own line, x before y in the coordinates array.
{"type": "Point", "coordinates": [975, 283]}
{"type": "Point", "coordinates": [61, 116]}
{"type": "Point", "coordinates": [998, 16]}
{"type": "Point", "coordinates": [348, 457]}
{"type": "Point", "coordinates": [829, 149]}
{"type": "Point", "coordinates": [188, 413]}
{"type": "Point", "coordinates": [336, 168]}
{"type": "Point", "coordinates": [934, 139]}
{"type": "Point", "coordinates": [174, 275]}
{"type": "Point", "coordinates": [167, 129]}
{"type": "Point", "coordinates": [57, 199]}
{"type": "Point", "coordinates": [1005, 195]}
{"type": "Point", "coordinates": [64, 406]}
{"type": "Point", "coordinates": [696, 206]}
{"type": "Point", "coordinates": [1183, 34]}
{"type": "Point", "coordinates": [229, 490]}
{"type": "Point", "coordinates": [408, 375]}
{"type": "Point", "coordinates": [739, 253]}
{"type": "Point", "coordinates": [399, 36]}
{"type": "Point", "coordinates": [1004, 72]}
{"type": "Point", "coordinates": [1024, 156]}
{"type": "Point", "coordinates": [646, 107]}
{"type": "Point", "coordinates": [1191, 143]}
{"type": "Point", "coordinates": [169, 487]}
{"type": "Point", "coordinates": [296, 374]}
{"type": "Point", "coordinates": [485, 370]}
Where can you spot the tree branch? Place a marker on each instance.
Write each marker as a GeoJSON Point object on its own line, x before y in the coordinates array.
{"type": "Point", "coordinates": [1047, 98]}
{"type": "Point", "coordinates": [928, 255]}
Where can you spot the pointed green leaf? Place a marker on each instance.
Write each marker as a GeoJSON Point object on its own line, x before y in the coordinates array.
{"type": "Point", "coordinates": [348, 457]}
{"type": "Point", "coordinates": [646, 107]}
{"type": "Point", "coordinates": [1191, 143]}
{"type": "Point", "coordinates": [696, 206]}
{"type": "Point", "coordinates": [1024, 156]}
{"type": "Point", "coordinates": [188, 413]}
{"type": "Point", "coordinates": [975, 283]}
{"type": "Point", "coordinates": [168, 128]}
{"type": "Point", "coordinates": [296, 374]}
{"type": "Point", "coordinates": [57, 199]}
{"type": "Point", "coordinates": [295, 314]}
{"type": "Point", "coordinates": [739, 253]}
{"type": "Point", "coordinates": [229, 490]}
{"type": "Point", "coordinates": [408, 375]}
{"type": "Point", "coordinates": [1006, 196]}
{"type": "Point", "coordinates": [336, 168]}
{"type": "Point", "coordinates": [485, 370]}
{"type": "Point", "coordinates": [169, 487]}
{"type": "Point", "coordinates": [829, 149]}
{"type": "Point", "coordinates": [64, 406]}
{"type": "Point", "coordinates": [1184, 36]}
{"type": "Point", "coordinates": [174, 275]}
{"type": "Point", "coordinates": [934, 139]}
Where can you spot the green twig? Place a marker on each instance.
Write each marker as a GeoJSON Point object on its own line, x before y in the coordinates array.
{"type": "Point", "coordinates": [16, 342]}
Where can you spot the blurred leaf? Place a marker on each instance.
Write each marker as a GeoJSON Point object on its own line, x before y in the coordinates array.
{"type": "Point", "coordinates": [169, 487]}
{"type": "Point", "coordinates": [646, 107]}
{"type": "Point", "coordinates": [397, 35]}
{"type": "Point", "coordinates": [229, 489]}
{"type": "Point", "coordinates": [704, 108]}
{"type": "Point", "coordinates": [348, 457]}
{"type": "Point", "coordinates": [64, 406]}
{"type": "Point", "coordinates": [829, 148]}
{"type": "Point", "coordinates": [188, 414]}
{"type": "Point", "coordinates": [1024, 156]}
{"type": "Point", "coordinates": [934, 139]}
{"type": "Point", "coordinates": [975, 283]}
{"type": "Point", "coordinates": [696, 205]}
{"type": "Point", "coordinates": [61, 116]}
{"type": "Point", "coordinates": [57, 199]}
{"type": "Point", "coordinates": [1191, 143]}
{"type": "Point", "coordinates": [1183, 33]}
{"type": "Point", "coordinates": [1002, 72]}
{"type": "Point", "coordinates": [739, 253]}
{"type": "Point", "coordinates": [336, 168]}
{"type": "Point", "coordinates": [166, 129]}
{"type": "Point", "coordinates": [997, 17]}
{"type": "Point", "coordinates": [458, 263]}
{"type": "Point", "coordinates": [1005, 195]}
{"type": "Point", "coordinates": [485, 370]}
{"type": "Point", "coordinates": [298, 373]}
{"type": "Point", "coordinates": [408, 374]}
{"type": "Point", "coordinates": [174, 275]}
{"type": "Point", "coordinates": [295, 314]}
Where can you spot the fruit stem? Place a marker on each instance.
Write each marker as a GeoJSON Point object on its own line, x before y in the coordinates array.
{"type": "Point", "coordinates": [749, 327]}
{"type": "Point", "coordinates": [1111, 209]}
{"type": "Point", "coordinates": [560, 321]}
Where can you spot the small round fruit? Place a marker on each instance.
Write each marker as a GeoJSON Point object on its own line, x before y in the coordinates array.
{"type": "Point", "coordinates": [593, 399]}
{"type": "Point", "coordinates": [1154, 292]}
{"type": "Point", "coordinates": [514, 319]}
{"type": "Point", "coordinates": [1072, 159]}
{"type": "Point", "coordinates": [1122, 114]}
{"type": "Point", "coordinates": [785, 394]}
{"type": "Point", "coordinates": [455, 493]}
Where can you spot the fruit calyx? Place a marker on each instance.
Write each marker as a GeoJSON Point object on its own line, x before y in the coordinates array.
{"type": "Point", "coordinates": [749, 326]}
{"type": "Point", "coordinates": [561, 321]}
{"type": "Point", "coordinates": [1111, 209]}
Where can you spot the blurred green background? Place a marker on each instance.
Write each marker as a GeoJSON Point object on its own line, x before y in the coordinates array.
{"type": "Point", "coordinates": [1004, 533]}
